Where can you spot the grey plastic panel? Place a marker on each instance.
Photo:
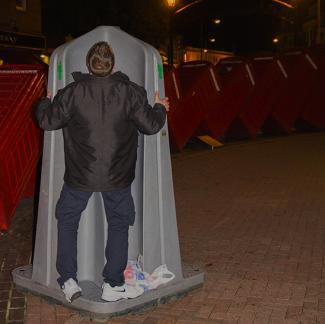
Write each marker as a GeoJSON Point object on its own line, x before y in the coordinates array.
{"type": "Point", "coordinates": [154, 234]}
{"type": "Point", "coordinates": [91, 304]}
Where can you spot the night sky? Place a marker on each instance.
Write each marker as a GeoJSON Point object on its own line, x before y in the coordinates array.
{"type": "Point", "coordinates": [243, 26]}
{"type": "Point", "coordinates": [247, 25]}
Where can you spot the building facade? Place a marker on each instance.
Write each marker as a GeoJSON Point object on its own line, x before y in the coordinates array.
{"type": "Point", "coordinates": [313, 22]}
{"type": "Point", "coordinates": [21, 38]}
{"type": "Point", "coordinates": [302, 25]}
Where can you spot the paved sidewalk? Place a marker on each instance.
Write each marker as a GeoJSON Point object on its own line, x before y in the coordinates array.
{"type": "Point", "coordinates": [251, 215]}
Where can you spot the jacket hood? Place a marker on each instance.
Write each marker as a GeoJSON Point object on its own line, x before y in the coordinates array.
{"type": "Point", "coordinates": [79, 76]}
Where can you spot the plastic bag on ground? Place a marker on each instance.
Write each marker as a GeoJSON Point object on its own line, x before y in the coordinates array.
{"type": "Point", "coordinates": [134, 276]}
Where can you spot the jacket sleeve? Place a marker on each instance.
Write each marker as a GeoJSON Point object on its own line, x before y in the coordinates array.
{"type": "Point", "coordinates": [149, 120]}
{"type": "Point", "coordinates": [56, 114]}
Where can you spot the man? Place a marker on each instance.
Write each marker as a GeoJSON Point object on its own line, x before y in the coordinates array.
{"type": "Point", "coordinates": [100, 114]}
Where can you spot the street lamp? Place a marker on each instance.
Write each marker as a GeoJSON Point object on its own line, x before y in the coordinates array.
{"type": "Point", "coordinates": [318, 18]}
{"type": "Point", "coordinates": [171, 5]}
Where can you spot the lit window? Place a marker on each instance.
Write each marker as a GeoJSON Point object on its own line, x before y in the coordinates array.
{"type": "Point", "coordinates": [21, 5]}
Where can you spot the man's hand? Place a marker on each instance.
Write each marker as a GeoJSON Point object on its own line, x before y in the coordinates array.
{"type": "Point", "coordinates": [49, 94]}
{"type": "Point", "coordinates": [164, 102]}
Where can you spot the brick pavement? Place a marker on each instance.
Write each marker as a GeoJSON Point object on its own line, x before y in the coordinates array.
{"type": "Point", "coordinates": [251, 215]}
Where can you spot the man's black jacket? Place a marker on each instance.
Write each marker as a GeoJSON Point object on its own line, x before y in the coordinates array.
{"type": "Point", "coordinates": [100, 118]}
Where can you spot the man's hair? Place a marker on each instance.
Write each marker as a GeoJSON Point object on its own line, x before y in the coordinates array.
{"type": "Point", "coordinates": [100, 59]}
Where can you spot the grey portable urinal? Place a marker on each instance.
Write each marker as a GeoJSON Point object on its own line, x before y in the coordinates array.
{"type": "Point", "coordinates": [154, 235]}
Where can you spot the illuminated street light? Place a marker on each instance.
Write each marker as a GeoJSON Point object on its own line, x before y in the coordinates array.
{"type": "Point", "coordinates": [212, 40]}
{"type": "Point", "coordinates": [217, 21]}
{"type": "Point", "coordinates": [171, 3]}
{"type": "Point", "coordinates": [205, 50]}
{"type": "Point", "coordinates": [275, 40]}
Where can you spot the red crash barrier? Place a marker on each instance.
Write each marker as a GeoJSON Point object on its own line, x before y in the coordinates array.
{"type": "Point", "coordinates": [191, 93]}
{"type": "Point", "coordinates": [20, 87]}
{"type": "Point", "coordinates": [236, 84]}
{"type": "Point", "coordinates": [312, 116]}
{"type": "Point", "coordinates": [190, 73]}
{"type": "Point", "coordinates": [301, 76]}
{"type": "Point", "coordinates": [204, 91]}
{"type": "Point", "coordinates": [269, 78]}
{"type": "Point", "coordinates": [205, 99]}
{"type": "Point", "coordinates": [173, 92]}
{"type": "Point", "coordinates": [239, 98]}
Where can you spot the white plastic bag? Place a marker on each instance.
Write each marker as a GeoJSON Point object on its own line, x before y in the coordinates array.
{"type": "Point", "coordinates": [134, 276]}
{"type": "Point", "coordinates": [161, 275]}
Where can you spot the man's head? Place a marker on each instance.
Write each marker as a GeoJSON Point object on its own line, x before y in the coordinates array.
{"type": "Point", "coordinates": [100, 59]}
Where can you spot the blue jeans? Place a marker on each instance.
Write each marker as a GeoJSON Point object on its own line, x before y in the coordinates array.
{"type": "Point", "coordinates": [120, 214]}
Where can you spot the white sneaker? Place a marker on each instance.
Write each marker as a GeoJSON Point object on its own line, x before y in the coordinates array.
{"type": "Point", "coordinates": [71, 290]}
{"type": "Point", "coordinates": [112, 294]}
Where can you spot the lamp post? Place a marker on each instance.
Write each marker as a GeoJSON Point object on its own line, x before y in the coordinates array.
{"type": "Point", "coordinates": [171, 5]}
{"type": "Point", "coordinates": [318, 39]}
